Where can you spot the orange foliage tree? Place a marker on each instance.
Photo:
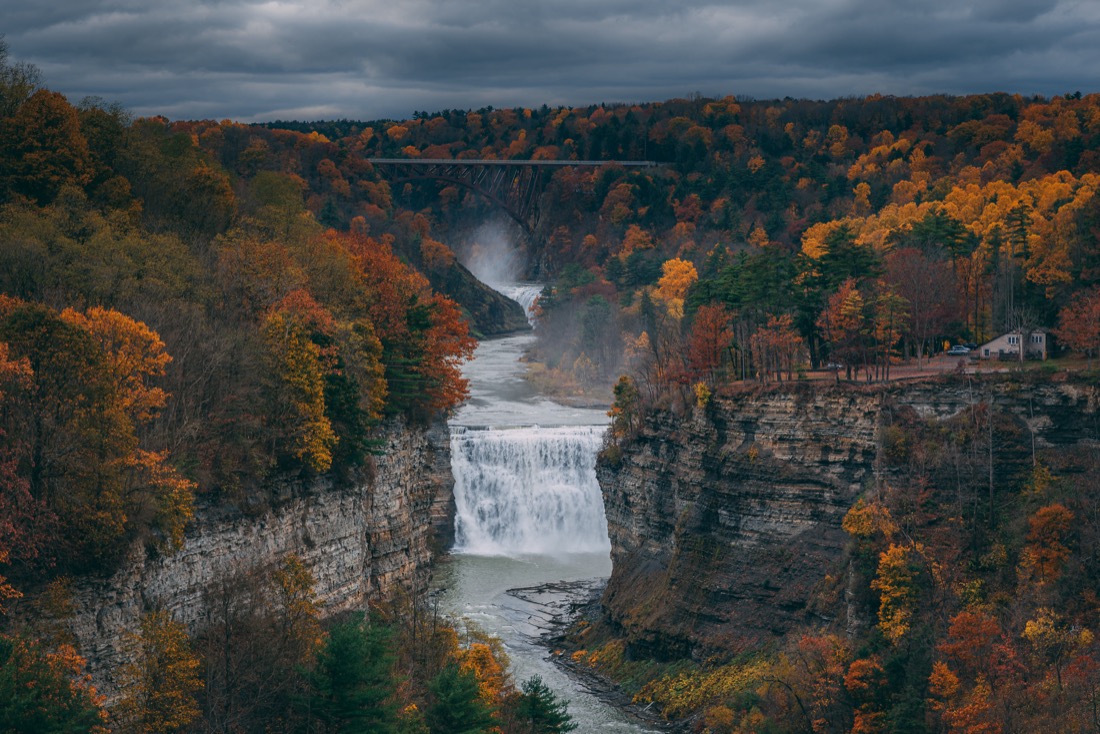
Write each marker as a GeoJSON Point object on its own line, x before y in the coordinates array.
{"type": "Point", "coordinates": [776, 348]}
{"type": "Point", "coordinates": [1079, 324]}
{"type": "Point", "coordinates": [91, 375]}
{"type": "Point", "coordinates": [710, 338]}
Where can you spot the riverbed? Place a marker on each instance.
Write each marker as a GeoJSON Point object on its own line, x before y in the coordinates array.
{"type": "Point", "coordinates": [529, 513]}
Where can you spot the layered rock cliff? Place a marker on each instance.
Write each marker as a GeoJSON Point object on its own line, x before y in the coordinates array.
{"type": "Point", "coordinates": [361, 542]}
{"type": "Point", "coordinates": [723, 523]}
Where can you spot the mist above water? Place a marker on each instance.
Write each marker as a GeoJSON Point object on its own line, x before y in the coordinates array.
{"type": "Point", "coordinates": [493, 256]}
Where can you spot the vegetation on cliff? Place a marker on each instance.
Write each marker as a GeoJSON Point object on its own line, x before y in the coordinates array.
{"type": "Point", "coordinates": [176, 326]}
{"type": "Point", "coordinates": [964, 600]}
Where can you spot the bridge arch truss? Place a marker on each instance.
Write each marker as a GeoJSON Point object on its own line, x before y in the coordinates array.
{"type": "Point", "coordinates": [514, 186]}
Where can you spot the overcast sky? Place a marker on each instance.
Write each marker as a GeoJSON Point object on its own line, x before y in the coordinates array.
{"type": "Point", "coordinates": [366, 59]}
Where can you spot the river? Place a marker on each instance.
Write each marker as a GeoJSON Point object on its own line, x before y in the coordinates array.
{"type": "Point", "coordinates": [529, 512]}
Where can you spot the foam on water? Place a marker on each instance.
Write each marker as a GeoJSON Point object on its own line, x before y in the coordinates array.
{"type": "Point", "coordinates": [527, 490]}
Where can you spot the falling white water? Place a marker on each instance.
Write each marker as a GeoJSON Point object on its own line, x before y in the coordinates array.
{"type": "Point", "coordinates": [524, 466]}
{"type": "Point", "coordinates": [527, 490]}
{"type": "Point", "coordinates": [525, 294]}
{"type": "Point", "coordinates": [529, 511]}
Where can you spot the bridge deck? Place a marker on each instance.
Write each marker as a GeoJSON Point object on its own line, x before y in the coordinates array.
{"type": "Point", "coordinates": [495, 162]}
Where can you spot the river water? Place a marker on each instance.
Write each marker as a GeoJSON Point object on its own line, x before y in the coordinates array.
{"type": "Point", "coordinates": [529, 512]}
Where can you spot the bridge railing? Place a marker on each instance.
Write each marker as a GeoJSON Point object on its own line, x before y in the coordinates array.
{"type": "Point", "coordinates": [496, 162]}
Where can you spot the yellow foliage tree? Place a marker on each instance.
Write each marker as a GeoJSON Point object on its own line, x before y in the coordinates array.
{"type": "Point", "coordinates": [677, 276]}
{"type": "Point", "coordinates": [898, 585]}
{"type": "Point", "coordinates": [161, 681]}
{"type": "Point", "coordinates": [300, 609]}
{"type": "Point", "coordinates": [298, 364]}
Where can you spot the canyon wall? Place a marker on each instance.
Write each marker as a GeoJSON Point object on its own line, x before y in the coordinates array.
{"type": "Point", "coordinates": [725, 521]}
{"type": "Point", "coordinates": [361, 542]}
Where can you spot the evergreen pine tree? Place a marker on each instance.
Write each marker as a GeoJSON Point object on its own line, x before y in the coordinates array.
{"type": "Point", "coordinates": [456, 706]}
{"type": "Point", "coordinates": [541, 710]}
{"type": "Point", "coordinates": [353, 682]}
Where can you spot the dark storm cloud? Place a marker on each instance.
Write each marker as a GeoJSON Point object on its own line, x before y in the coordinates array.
{"type": "Point", "coordinates": [253, 60]}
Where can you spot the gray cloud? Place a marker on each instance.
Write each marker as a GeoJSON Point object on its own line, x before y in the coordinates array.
{"type": "Point", "coordinates": [267, 59]}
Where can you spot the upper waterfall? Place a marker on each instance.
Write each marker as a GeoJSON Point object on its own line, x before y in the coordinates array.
{"type": "Point", "coordinates": [525, 294]}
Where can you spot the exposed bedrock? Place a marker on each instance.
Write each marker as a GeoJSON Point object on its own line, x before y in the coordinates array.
{"type": "Point", "coordinates": [361, 542]}
{"type": "Point", "coordinates": [724, 521]}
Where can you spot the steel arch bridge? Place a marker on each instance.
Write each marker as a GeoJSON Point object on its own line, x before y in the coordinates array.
{"type": "Point", "coordinates": [512, 185]}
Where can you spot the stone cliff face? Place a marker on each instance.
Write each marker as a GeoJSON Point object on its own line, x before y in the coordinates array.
{"type": "Point", "coordinates": [489, 312]}
{"type": "Point", "coordinates": [361, 543]}
{"type": "Point", "coordinates": [723, 522]}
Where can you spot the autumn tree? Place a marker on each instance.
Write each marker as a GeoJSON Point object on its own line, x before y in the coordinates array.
{"type": "Point", "coordinates": [626, 408]}
{"type": "Point", "coordinates": [843, 325]}
{"type": "Point", "coordinates": [46, 692]}
{"type": "Point", "coordinates": [17, 507]}
{"type": "Point", "coordinates": [1079, 324]}
{"type": "Point", "coordinates": [710, 339]}
{"type": "Point", "coordinates": [299, 610]}
{"type": "Point", "coordinates": [889, 316]}
{"type": "Point", "coordinates": [92, 376]}
{"type": "Point", "coordinates": [929, 289]}
{"type": "Point", "coordinates": [43, 148]}
{"type": "Point", "coordinates": [161, 681]}
{"type": "Point", "coordinates": [1046, 551]}
{"type": "Point", "coordinates": [899, 582]}
{"type": "Point", "coordinates": [259, 639]}
{"type": "Point", "coordinates": [676, 277]}
{"type": "Point", "coordinates": [776, 348]}
{"type": "Point", "coordinates": [300, 365]}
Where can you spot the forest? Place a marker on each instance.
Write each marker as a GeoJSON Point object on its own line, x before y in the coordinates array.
{"type": "Point", "coordinates": [190, 309]}
{"type": "Point", "coordinates": [179, 329]}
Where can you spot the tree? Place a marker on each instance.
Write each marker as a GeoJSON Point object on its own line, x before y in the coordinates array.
{"type": "Point", "coordinates": [456, 705]}
{"type": "Point", "coordinates": [898, 583]}
{"type": "Point", "coordinates": [46, 692]}
{"type": "Point", "coordinates": [541, 710]}
{"type": "Point", "coordinates": [160, 683]}
{"type": "Point", "coordinates": [928, 286]}
{"type": "Point", "coordinates": [1079, 324]}
{"type": "Point", "coordinates": [1046, 552]}
{"type": "Point", "coordinates": [625, 408]}
{"type": "Point", "coordinates": [42, 148]}
{"type": "Point", "coordinates": [135, 355]}
{"type": "Point", "coordinates": [299, 625]}
{"type": "Point", "coordinates": [843, 324]}
{"type": "Point", "coordinates": [353, 682]}
{"type": "Point", "coordinates": [1022, 321]}
{"type": "Point", "coordinates": [676, 277]}
{"type": "Point", "coordinates": [776, 348]}
{"type": "Point", "coordinates": [78, 420]}
{"type": "Point", "coordinates": [18, 81]}
{"type": "Point", "coordinates": [710, 340]}
{"type": "Point", "coordinates": [300, 366]}
{"type": "Point", "coordinates": [890, 312]}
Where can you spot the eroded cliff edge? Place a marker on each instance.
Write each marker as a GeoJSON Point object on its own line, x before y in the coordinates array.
{"type": "Point", "coordinates": [361, 542]}
{"type": "Point", "coordinates": [724, 522]}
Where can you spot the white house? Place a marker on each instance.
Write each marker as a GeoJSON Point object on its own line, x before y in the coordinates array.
{"type": "Point", "coordinates": [1008, 346]}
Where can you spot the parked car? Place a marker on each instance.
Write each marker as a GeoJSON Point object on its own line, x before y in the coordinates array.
{"type": "Point", "coordinates": [958, 350]}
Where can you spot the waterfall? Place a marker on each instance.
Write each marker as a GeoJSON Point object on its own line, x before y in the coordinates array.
{"type": "Point", "coordinates": [527, 490]}
{"type": "Point", "coordinates": [523, 293]}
